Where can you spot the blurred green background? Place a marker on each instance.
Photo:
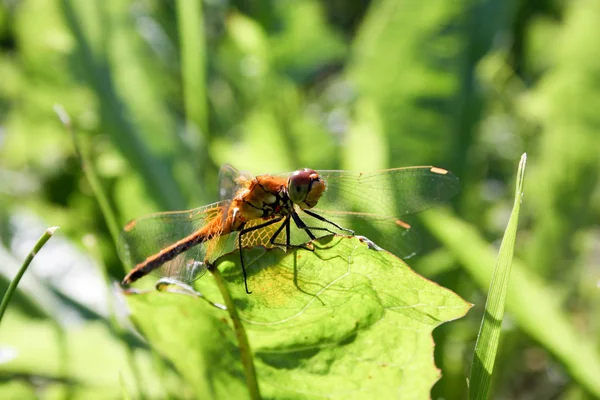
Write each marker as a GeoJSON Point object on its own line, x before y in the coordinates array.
{"type": "Point", "coordinates": [164, 92]}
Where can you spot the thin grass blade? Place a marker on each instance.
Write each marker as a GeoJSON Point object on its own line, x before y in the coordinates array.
{"type": "Point", "coordinates": [15, 282]}
{"type": "Point", "coordinates": [486, 347]}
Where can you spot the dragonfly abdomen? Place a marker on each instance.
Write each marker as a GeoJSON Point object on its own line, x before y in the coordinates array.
{"type": "Point", "coordinates": [155, 261]}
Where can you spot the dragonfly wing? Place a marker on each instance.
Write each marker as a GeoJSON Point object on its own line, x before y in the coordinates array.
{"type": "Point", "coordinates": [186, 267]}
{"type": "Point", "coordinates": [388, 193]}
{"type": "Point", "coordinates": [388, 233]}
{"type": "Point", "coordinates": [375, 202]}
{"type": "Point", "coordinates": [262, 237]}
{"type": "Point", "coordinates": [147, 236]}
{"type": "Point", "coordinates": [192, 264]}
{"type": "Point", "coordinates": [231, 181]}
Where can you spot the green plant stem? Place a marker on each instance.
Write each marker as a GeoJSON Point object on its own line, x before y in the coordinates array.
{"type": "Point", "coordinates": [15, 282]}
{"type": "Point", "coordinates": [240, 332]}
{"type": "Point", "coordinates": [90, 174]}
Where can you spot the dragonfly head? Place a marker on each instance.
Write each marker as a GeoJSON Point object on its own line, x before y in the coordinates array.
{"type": "Point", "coordinates": [305, 188]}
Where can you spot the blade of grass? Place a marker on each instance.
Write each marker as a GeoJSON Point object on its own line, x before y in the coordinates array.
{"type": "Point", "coordinates": [90, 175]}
{"type": "Point", "coordinates": [37, 297]}
{"type": "Point", "coordinates": [15, 282]}
{"type": "Point", "coordinates": [531, 301]}
{"type": "Point", "coordinates": [486, 347]}
{"type": "Point", "coordinates": [60, 332]}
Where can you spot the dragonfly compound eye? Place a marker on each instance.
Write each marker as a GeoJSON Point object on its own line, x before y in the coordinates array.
{"type": "Point", "coordinates": [305, 187]}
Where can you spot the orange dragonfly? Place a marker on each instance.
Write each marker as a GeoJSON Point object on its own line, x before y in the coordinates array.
{"type": "Point", "coordinates": [286, 210]}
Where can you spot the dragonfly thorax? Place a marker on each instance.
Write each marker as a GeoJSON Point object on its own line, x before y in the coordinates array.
{"type": "Point", "coordinates": [265, 197]}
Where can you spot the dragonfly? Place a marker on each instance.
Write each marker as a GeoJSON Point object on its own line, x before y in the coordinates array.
{"type": "Point", "coordinates": [283, 210]}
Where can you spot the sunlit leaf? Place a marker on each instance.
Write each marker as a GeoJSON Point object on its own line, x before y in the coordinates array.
{"type": "Point", "coordinates": [196, 337]}
{"type": "Point", "coordinates": [342, 321]}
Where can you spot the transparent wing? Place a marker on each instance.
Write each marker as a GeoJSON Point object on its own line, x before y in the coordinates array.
{"type": "Point", "coordinates": [261, 237]}
{"type": "Point", "coordinates": [385, 232]}
{"type": "Point", "coordinates": [230, 181]}
{"type": "Point", "coordinates": [147, 236]}
{"type": "Point", "coordinates": [373, 203]}
{"type": "Point", "coordinates": [389, 233]}
{"type": "Point", "coordinates": [389, 193]}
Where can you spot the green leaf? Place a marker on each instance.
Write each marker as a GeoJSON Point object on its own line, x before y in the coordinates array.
{"type": "Point", "coordinates": [491, 324]}
{"type": "Point", "coordinates": [342, 320]}
{"type": "Point", "coordinates": [195, 337]}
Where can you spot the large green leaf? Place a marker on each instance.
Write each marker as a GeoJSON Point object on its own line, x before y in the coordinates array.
{"type": "Point", "coordinates": [195, 337]}
{"type": "Point", "coordinates": [342, 321]}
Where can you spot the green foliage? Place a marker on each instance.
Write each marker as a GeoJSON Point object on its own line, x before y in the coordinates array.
{"type": "Point", "coordinates": [362, 324]}
{"type": "Point", "coordinates": [162, 93]}
{"type": "Point", "coordinates": [196, 338]}
{"type": "Point", "coordinates": [87, 361]}
{"type": "Point", "coordinates": [529, 300]}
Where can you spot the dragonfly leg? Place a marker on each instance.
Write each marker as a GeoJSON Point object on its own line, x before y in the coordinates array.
{"type": "Point", "coordinates": [287, 243]}
{"type": "Point", "coordinates": [317, 228]}
{"type": "Point", "coordinates": [321, 218]}
{"type": "Point", "coordinates": [301, 225]}
{"type": "Point", "coordinates": [243, 231]}
{"type": "Point", "coordinates": [286, 225]}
